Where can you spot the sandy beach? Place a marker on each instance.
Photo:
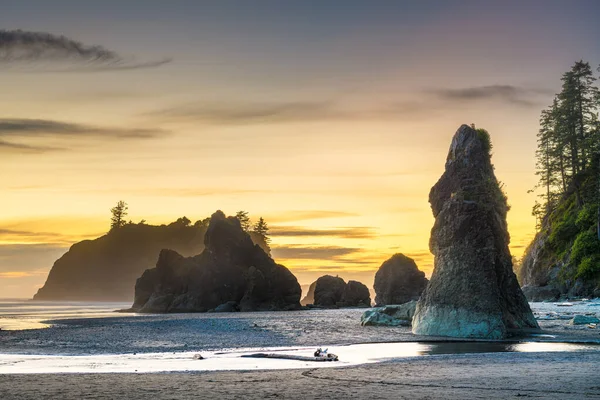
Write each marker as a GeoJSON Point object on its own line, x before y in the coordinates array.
{"type": "Point", "coordinates": [472, 376]}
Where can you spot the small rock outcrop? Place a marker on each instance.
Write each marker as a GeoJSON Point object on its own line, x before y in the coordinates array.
{"type": "Point", "coordinates": [332, 292]}
{"type": "Point", "coordinates": [584, 319]}
{"type": "Point", "coordinates": [395, 315]}
{"type": "Point", "coordinates": [231, 273]}
{"type": "Point", "coordinates": [398, 281]}
{"type": "Point", "coordinates": [473, 291]}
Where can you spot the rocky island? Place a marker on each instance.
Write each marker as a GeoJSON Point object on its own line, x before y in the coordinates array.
{"type": "Point", "coordinates": [231, 273]}
{"type": "Point", "coordinates": [106, 268]}
{"type": "Point", "coordinates": [473, 291]}
{"type": "Point", "coordinates": [333, 292]}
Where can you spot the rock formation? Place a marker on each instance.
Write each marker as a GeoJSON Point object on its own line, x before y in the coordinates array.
{"type": "Point", "coordinates": [310, 295]}
{"type": "Point", "coordinates": [565, 253]}
{"type": "Point", "coordinates": [106, 268]}
{"type": "Point", "coordinates": [332, 291]}
{"type": "Point", "coordinates": [473, 291]}
{"type": "Point", "coordinates": [394, 315]}
{"type": "Point", "coordinates": [398, 281]}
{"type": "Point", "coordinates": [231, 273]}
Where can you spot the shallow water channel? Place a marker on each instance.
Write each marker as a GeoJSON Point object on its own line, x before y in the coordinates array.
{"type": "Point", "coordinates": [231, 360]}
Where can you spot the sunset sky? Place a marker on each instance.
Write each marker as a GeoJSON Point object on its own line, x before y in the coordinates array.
{"type": "Point", "coordinates": [331, 119]}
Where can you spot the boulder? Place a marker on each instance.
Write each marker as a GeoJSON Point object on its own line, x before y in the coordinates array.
{"type": "Point", "coordinates": [473, 291]}
{"type": "Point", "coordinates": [356, 294]}
{"type": "Point", "coordinates": [333, 292]}
{"type": "Point", "coordinates": [392, 315]}
{"type": "Point", "coordinates": [541, 293]}
{"type": "Point", "coordinates": [329, 291]}
{"type": "Point", "coordinates": [230, 270]}
{"type": "Point", "coordinates": [584, 319]}
{"type": "Point", "coordinates": [398, 281]}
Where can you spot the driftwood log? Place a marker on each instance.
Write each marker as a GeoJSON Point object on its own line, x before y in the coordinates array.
{"type": "Point", "coordinates": [330, 357]}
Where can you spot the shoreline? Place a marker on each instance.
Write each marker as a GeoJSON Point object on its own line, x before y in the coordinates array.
{"type": "Point", "coordinates": [570, 375]}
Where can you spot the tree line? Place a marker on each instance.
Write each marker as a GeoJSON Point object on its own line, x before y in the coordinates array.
{"type": "Point", "coordinates": [120, 211]}
{"type": "Point", "coordinates": [568, 142]}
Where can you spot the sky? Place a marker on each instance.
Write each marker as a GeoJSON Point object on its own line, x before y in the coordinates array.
{"type": "Point", "coordinates": [330, 119]}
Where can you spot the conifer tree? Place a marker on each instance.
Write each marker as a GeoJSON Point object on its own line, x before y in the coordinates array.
{"type": "Point", "coordinates": [262, 228]}
{"type": "Point", "coordinates": [244, 219]}
{"type": "Point", "coordinates": [119, 212]}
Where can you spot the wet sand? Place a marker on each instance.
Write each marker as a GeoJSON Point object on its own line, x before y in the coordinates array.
{"type": "Point", "coordinates": [471, 376]}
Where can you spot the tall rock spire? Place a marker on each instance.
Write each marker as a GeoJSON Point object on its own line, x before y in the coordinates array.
{"type": "Point", "coordinates": [473, 291]}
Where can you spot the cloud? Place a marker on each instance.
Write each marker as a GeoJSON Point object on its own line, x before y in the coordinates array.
{"type": "Point", "coordinates": [253, 112]}
{"type": "Point", "coordinates": [305, 215]}
{"type": "Point", "coordinates": [46, 238]}
{"type": "Point", "coordinates": [47, 51]}
{"type": "Point", "coordinates": [27, 128]}
{"type": "Point", "coordinates": [25, 148]}
{"type": "Point", "coordinates": [299, 231]}
{"type": "Point", "coordinates": [312, 253]}
{"type": "Point", "coordinates": [31, 259]}
{"type": "Point", "coordinates": [510, 94]}
{"type": "Point", "coordinates": [422, 104]}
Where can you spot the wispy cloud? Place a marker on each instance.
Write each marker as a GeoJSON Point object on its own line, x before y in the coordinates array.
{"type": "Point", "coordinates": [299, 231]}
{"type": "Point", "coordinates": [49, 52]}
{"type": "Point", "coordinates": [47, 238]}
{"type": "Point", "coordinates": [510, 94]}
{"type": "Point", "coordinates": [23, 128]}
{"type": "Point", "coordinates": [312, 253]}
{"type": "Point", "coordinates": [306, 215]}
{"type": "Point", "coordinates": [24, 148]}
{"type": "Point", "coordinates": [420, 104]}
{"type": "Point", "coordinates": [29, 258]}
{"type": "Point", "coordinates": [253, 112]}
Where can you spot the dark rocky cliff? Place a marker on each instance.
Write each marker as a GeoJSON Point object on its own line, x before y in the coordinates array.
{"type": "Point", "coordinates": [231, 273]}
{"type": "Point", "coordinates": [564, 257]}
{"type": "Point", "coordinates": [106, 268]}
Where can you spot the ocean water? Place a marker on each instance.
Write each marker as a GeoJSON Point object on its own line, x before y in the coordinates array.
{"type": "Point", "coordinates": [19, 314]}
{"type": "Point", "coordinates": [92, 337]}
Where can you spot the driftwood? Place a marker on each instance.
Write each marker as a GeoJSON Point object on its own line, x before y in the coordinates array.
{"type": "Point", "coordinates": [330, 357]}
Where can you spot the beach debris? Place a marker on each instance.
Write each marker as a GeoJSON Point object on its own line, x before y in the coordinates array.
{"type": "Point", "coordinates": [583, 320]}
{"type": "Point", "coordinates": [319, 355]}
{"type": "Point", "coordinates": [198, 357]}
{"type": "Point", "coordinates": [564, 304]}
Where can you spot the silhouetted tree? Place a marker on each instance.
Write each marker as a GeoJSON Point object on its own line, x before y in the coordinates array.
{"type": "Point", "coordinates": [119, 212]}
{"type": "Point", "coordinates": [262, 228]}
{"type": "Point", "coordinates": [202, 222]}
{"type": "Point", "coordinates": [244, 219]}
{"type": "Point", "coordinates": [183, 221]}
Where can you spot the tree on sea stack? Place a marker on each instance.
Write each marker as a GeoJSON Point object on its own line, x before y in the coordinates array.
{"type": "Point", "coordinates": [244, 219]}
{"type": "Point", "coordinates": [262, 228]}
{"type": "Point", "coordinates": [473, 291]}
{"type": "Point", "coordinates": [119, 212]}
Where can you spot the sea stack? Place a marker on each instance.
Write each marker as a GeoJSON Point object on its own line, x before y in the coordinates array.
{"type": "Point", "coordinates": [333, 292]}
{"type": "Point", "coordinates": [398, 281]}
{"type": "Point", "coordinates": [473, 291]}
{"type": "Point", "coordinates": [232, 273]}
